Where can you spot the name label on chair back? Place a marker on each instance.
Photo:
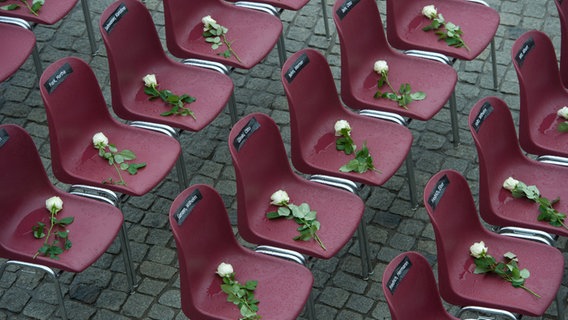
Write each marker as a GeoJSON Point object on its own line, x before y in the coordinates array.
{"type": "Point", "coordinates": [295, 69]}
{"type": "Point", "coordinates": [4, 137]}
{"type": "Point", "coordinates": [58, 77]}
{"type": "Point", "coordinates": [438, 191]}
{"type": "Point", "coordinates": [398, 274]}
{"type": "Point", "coordinates": [524, 51]}
{"type": "Point", "coordinates": [484, 112]}
{"type": "Point", "coordinates": [185, 209]}
{"type": "Point", "coordinates": [111, 22]}
{"type": "Point", "coordinates": [345, 8]}
{"type": "Point", "coordinates": [245, 133]}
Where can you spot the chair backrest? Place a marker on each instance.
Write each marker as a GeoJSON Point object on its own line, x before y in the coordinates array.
{"type": "Point", "coordinates": [493, 130]}
{"type": "Point", "coordinates": [562, 7]}
{"type": "Point", "coordinates": [535, 61]}
{"type": "Point", "coordinates": [129, 54]}
{"type": "Point", "coordinates": [312, 98]}
{"type": "Point", "coordinates": [50, 13]}
{"type": "Point", "coordinates": [76, 110]}
{"type": "Point", "coordinates": [23, 175]}
{"type": "Point", "coordinates": [18, 45]}
{"type": "Point", "coordinates": [410, 289]}
{"type": "Point", "coordinates": [349, 17]}
{"type": "Point", "coordinates": [449, 203]}
{"type": "Point", "coordinates": [260, 163]}
{"type": "Point", "coordinates": [203, 233]}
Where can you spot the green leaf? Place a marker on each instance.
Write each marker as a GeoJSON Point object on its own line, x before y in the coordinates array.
{"type": "Point", "coordinates": [127, 154]}
{"type": "Point", "coordinates": [67, 245]}
{"type": "Point", "coordinates": [118, 158]}
{"type": "Point", "coordinates": [419, 95]}
{"type": "Point", "coordinates": [272, 215]}
{"type": "Point", "coordinates": [525, 274]}
{"type": "Point", "coordinates": [562, 127]}
{"type": "Point", "coordinates": [133, 167]}
{"type": "Point", "coordinates": [36, 5]}
{"type": "Point", "coordinates": [38, 230]}
{"type": "Point", "coordinates": [10, 7]}
{"type": "Point", "coordinates": [510, 256]}
{"type": "Point", "coordinates": [65, 221]}
{"type": "Point", "coordinates": [62, 234]}
{"type": "Point", "coordinates": [124, 166]}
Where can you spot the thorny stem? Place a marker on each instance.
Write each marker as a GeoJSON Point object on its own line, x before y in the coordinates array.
{"type": "Point", "coordinates": [29, 7]}
{"type": "Point", "coordinates": [49, 231]}
{"type": "Point", "coordinates": [228, 44]}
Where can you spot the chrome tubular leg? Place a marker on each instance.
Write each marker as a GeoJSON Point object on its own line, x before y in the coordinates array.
{"type": "Point", "coordinates": [560, 306]}
{"type": "Point", "coordinates": [494, 62]}
{"type": "Point", "coordinates": [454, 118]}
{"type": "Point", "coordinates": [59, 293]}
{"type": "Point", "coordinates": [365, 257]}
{"type": "Point", "coordinates": [127, 256]}
{"type": "Point", "coordinates": [232, 104]}
{"type": "Point", "coordinates": [310, 308]}
{"type": "Point", "coordinates": [411, 180]}
{"type": "Point", "coordinates": [181, 172]}
{"type": "Point", "coordinates": [281, 49]}
{"type": "Point", "coordinates": [325, 22]}
{"type": "Point", "coordinates": [89, 24]}
{"type": "Point", "coordinates": [37, 61]}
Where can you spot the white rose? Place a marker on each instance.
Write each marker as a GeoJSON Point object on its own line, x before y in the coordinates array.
{"type": "Point", "coordinates": [381, 66]}
{"type": "Point", "coordinates": [478, 249]}
{"type": "Point", "coordinates": [208, 22]}
{"type": "Point", "coordinates": [54, 203]}
{"type": "Point", "coordinates": [279, 197]}
{"type": "Point", "coordinates": [430, 11]}
{"type": "Point", "coordinates": [563, 112]}
{"type": "Point", "coordinates": [100, 140]}
{"type": "Point", "coordinates": [340, 125]}
{"type": "Point", "coordinates": [224, 269]}
{"type": "Point", "coordinates": [150, 80]}
{"type": "Point", "coordinates": [510, 183]}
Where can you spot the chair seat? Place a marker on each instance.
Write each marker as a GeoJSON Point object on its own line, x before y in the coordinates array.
{"type": "Point", "coordinates": [50, 12]}
{"type": "Point", "coordinates": [18, 44]}
{"type": "Point", "coordinates": [405, 32]}
{"type": "Point", "coordinates": [180, 79]}
{"type": "Point", "coordinates": [434, 79]}
{"type": "Point", "coordinates": [388, 144]}
{"type": "Point", "coordinates": [276, 280]}
{"type": "Point", "coordinates": [333, 233]}
{"type": "Point", "coordinates": [102, 221]}
{"type": "Point", "coordinates": [252, 34]}
{"type": "Point", "coordinates": [85, 166]}
{"type": "Point", "coordinates": [545, 264]}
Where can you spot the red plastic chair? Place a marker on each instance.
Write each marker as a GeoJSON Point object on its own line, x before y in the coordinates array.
{"type": "Point", "coordinates": [51, 12]}
{"type": "Point", "coordinates": [500, 157]}
{"type": "Point", "coordinates": [541, 95]}
{"type": "Point", "coordinates": [262, 167]}
{"type": "Point", "coordinates": [450, 205]}
{"type": "Point", "coordinates": [204, 239]}
{"type": "Point", "coordinates": [411, 290]}
{"type": "Point", "coordinates": [25, 188]}
{"type": "Point", "coordinates": [359, 51]}
{"type": "Point", "coordinates": [19, 43]}
{"type": "Point", "coordinates": [314, 109]}
{"type": "Point", "coordinates": [253, 33]}
{"type": "Point", "coordinates": [76, 110]}
{"type": "Point", "coordinates": [562, 8]}
{"type": "Point", "coordinates": [478, 21]}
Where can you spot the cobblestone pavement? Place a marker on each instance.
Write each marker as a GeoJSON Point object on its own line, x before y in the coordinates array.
{"type": "Point", "coordinates": [393, 227]}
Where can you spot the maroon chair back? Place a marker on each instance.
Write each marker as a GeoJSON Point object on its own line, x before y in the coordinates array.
{"type": "Point", "coordinates": [18, 45]}
{"type": "Point", "coordinates": [542, 94]}
{"type": "Point", "coordinates": [204, 238]}
{"type": "Point", "coordinates": [76, 110]}
{"type": "Point", "coordinates": [253, 33]}
{"type": "Point", "coordinates": [450, 206]}
{"type": "Point", "coordinates": [360, 50]}
{"type": "Point", "coordinates": [50, 12]}
{"type": "Point", "coordinates": [410, 289]}
{"type": "Point", "coordinates": [132, 57]}
{"type": "Point", "coordinates": [405, 22]}
{"type": "Point", "coordinates": [315, 107]}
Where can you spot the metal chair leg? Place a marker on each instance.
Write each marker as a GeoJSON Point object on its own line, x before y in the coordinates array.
{"type": "Point", "coordinates": [37, 61]}
{"type": "Point", "coordinates": [454, 118]}
{"type": "Point", "coordinates": [89, 24]}
{"type": "Point", "coordinates": [127, 257]}
{"type": "Point", "coordinates": [560, 306]}
{"type": "Point", "coordinates": [494, 62]}
{"type": "Point", "coordinates": [232, 104]}
{"type": "Point", "coordinates": [365, 256]}
{"type": "Point", "coordinates": [181, 172]}
{"type": "Point", "coordinates": [310, 307]}
{"type": "Point", "coordinates": [281, 49]}
{"type": "Point", "coordinates": [325, 22]}
{"type": "Point", "coordinates": [411, 180]}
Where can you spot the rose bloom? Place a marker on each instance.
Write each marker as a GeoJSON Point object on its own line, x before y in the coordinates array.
{"type": "Point", "coordinates": [563, 112]}
{"type": "Point", "coordinates": [381, 66]}
{"type": "Point", "coordinates": [510, 183]}
{"type": "Point", "coordinates": [340, 125]}
{"type": "Point", "coordinates": [150, 80]}
{"type": "Point", "coordinates": [279, 197]}
{"type": "Point", "coordinates": [54, 203]}
{"type": "Point", "coordinates": [430, 11]}
{"type": "Point", "coordinates": [224, 269]}
{"type": "Point", "coordinates": [208, 22]}
{"type": "Point", "coordinates": [478, 249]}
{"type": "Point", "coordinates": [100, 140]}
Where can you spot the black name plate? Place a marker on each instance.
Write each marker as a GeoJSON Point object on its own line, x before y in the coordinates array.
{"type": "Point", "coordinates": [345, 8]}
{"type": "Point", "coordinates": [524, 51]}
{"type": "Point", "coordinates": [120, 11]}
{"type": "Point", "coordinates": [245, 133]}
{"type": "Point", "coordinates": [185, 209]}
{"type": "Point", "coordinates": [295, 69]}
{"type": "Point", "coordinates": [398, 274]}
{"type": "Point", "coordinates": [438, 191]}
{"type": "Point", "coordinates": [57, 78]}
{"type": "Point", "coordinates": [484, 112]}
